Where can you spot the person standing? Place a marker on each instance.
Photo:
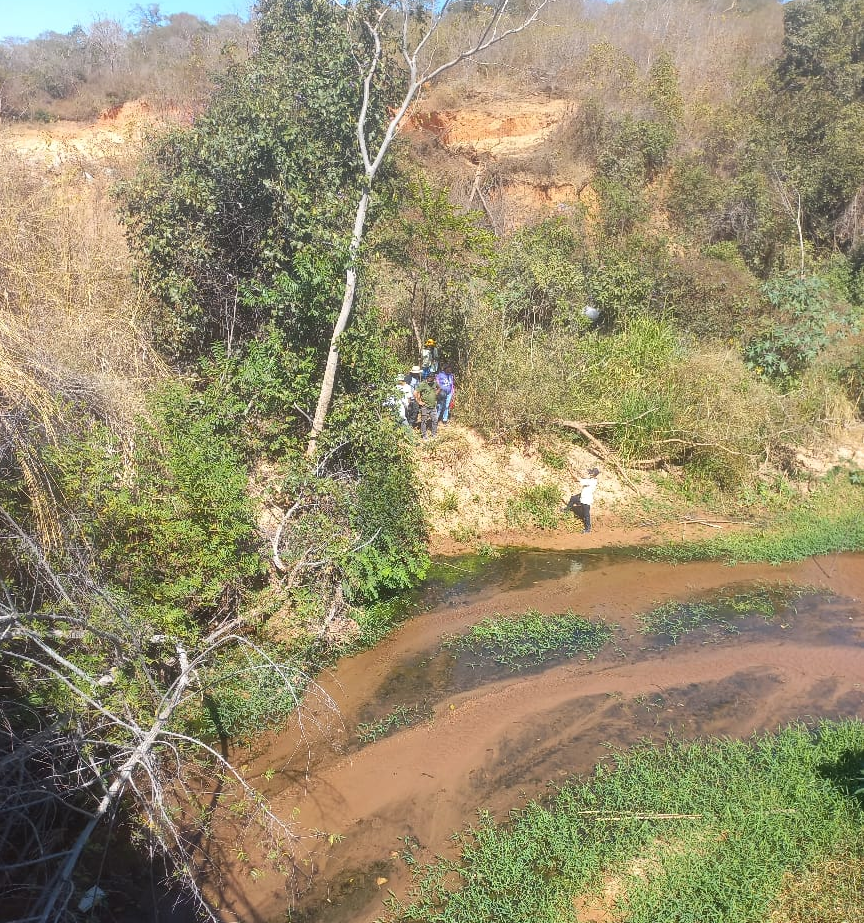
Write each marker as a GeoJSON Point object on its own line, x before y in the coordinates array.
{"type": "Point", "coordinates": [580, 503]}
{"type": "Point", "coordinates": [406, 396]}
{"type": "Point", "coordinates": [444, 387]}
{"type": "Point", "coordinates": [414, 377]}
{"type": "Point", "coordinates": [429, 358]}
{"type": "Point", "coordinates": [451, 390]}
{"type": "Point", "coordinates": [427, 400]}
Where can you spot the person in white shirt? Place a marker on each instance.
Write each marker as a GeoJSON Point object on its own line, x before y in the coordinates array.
{"type": "Point", "coordinates": [580, 503]}
{"type": "Point", "coordinates": [406, 395]}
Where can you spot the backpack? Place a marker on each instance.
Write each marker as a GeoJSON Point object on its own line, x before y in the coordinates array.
{"type": "Point", "coordinates": [442, 381]}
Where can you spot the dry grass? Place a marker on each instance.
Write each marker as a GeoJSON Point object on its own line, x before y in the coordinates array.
{"type": "Point", "coordinates": [830, 892]}
{"type": "Point", "coordinates": [72, 329]}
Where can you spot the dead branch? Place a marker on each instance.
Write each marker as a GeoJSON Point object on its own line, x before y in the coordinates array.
{"type": "Point", "coordinates": [111, 749]}
{"type": "Point", "coordinates": [602, 451]}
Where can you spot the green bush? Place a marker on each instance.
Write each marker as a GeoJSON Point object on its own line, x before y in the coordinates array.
{"type": "Point", "coordinates": [538, 506]}
{"type": "Point", "coordinates": [804, 319]}
{"type": "Point", "coordinates": [693, 196]}
{"type": "Point", "coordinates": [539, 281]}
{"type": "Point", "coordinates": [173, 530]}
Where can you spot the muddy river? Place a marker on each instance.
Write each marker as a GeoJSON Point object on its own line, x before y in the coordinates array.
{"type": "Point", "coordinates": [449, 733]}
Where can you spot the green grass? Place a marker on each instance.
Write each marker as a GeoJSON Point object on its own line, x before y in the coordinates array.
{"type": "Point", "coordinates": [538, 506]}
{"type": "Point", "coordinates": [722, 611]}
{"type": "Point", "coordinates": [714, 832]}
{"type": "Point", "coordinates": [401, 716]}
{"type": "Point", "coordinates": [532, 638]}
{"type": "Point", "coordinates": [830, 520]}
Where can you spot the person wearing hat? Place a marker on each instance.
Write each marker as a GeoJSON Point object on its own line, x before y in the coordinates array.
{"type": "Point", "coordinates": [580, 503]}
{"type": "Point", "coordinates": [412, 380]}
{"type": "Point", "coordinates": [426, 395]}
{"type": "Point", "coordinates": [429, 358]}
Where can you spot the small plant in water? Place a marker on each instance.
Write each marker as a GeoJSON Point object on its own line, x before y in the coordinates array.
{"type": "Point", "coordinates": [401, 716]}
{"type": "Point", "coordinates": [721, 612]}
{"type": "Point", "coordinates": [533, 638]}
{"type": "Point", "coordinates": [487, 552]}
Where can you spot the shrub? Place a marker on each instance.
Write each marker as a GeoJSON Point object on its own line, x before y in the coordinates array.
{"type": "Point", "coordinates": [173, 530]}
{"type": "Point", "coordinates": [693, 195]}
{"type": "Point", "coordinates": [538, 506]}
{"type": "Point", "coordinates": [804, 320]}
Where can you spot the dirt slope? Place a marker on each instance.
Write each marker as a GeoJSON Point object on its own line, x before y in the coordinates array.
{"type": "Point", "coordinates": [468, 482]}
{"type": "Point", "coordinates": [117, 131]}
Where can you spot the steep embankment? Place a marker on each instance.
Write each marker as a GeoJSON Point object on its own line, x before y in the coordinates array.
{"type": "Point", "coordinates": [499, 147]}
{"type": "Point", "coordinates": [480, 491]}
{"type": "Point", "coordinates": [473, 489]}
{"type": "Point", "coordinates": [117, 132]}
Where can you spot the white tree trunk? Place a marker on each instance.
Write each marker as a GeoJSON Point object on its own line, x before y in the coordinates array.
{"type": "Point", "coordinates": [326, 394]}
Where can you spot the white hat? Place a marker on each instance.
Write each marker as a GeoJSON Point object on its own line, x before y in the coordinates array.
{"type": "Point", "coordinates": [416, 370]}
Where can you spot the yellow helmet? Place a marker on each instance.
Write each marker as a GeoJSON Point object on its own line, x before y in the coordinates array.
{"type": "Point", "coordinates": [430, 342]}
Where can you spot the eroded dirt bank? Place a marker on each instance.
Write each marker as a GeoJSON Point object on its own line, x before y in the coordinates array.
{"type": "Point", "coordinates": [494, 741]}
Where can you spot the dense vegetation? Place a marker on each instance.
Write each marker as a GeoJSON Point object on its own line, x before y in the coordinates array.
{"type": "Point", "coordinates": [172, 60]}
{"type": "Point", "coordinates": [721, 243]}
{"type": "Point", "coordinates": [171, 550]}
{"type": "Point", "coordinates": [708, 831]}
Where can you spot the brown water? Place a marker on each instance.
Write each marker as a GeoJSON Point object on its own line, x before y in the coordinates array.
{"type": "Point", "coordinates": [486, 736]}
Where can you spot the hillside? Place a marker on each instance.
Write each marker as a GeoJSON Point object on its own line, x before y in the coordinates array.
{"type": "Point", "coordinates": [631, 232]}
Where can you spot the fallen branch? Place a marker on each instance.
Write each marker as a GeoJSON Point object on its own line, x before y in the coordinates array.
{"type": "Point", "coordinates": [601, 451]}
{"type": "Point", "coordinates": [711, 522]}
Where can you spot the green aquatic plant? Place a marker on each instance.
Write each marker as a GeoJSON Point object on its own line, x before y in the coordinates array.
{"type": "Point", "coordinates": [715, 832]}
{"type": "Point", "coordinates": [401, 716]}
{"type": "Point", "coordinates": [532, 638]}
{"type": "Point", "coordinates": [721, 612]}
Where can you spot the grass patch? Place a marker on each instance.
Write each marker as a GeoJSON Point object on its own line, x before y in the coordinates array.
{"type": "Point", "coordinates": [831, 520]}
{"type": "Point", "coordinates": [538, 506]}
{"type": "Point", "coordinates": [401, 716]}
{"type": "Point", "coordinates": [721, 612]}
{"type": "Point", "coordinates": [708, 831]}
{"type": "Point", "coordinates": [532, 638]}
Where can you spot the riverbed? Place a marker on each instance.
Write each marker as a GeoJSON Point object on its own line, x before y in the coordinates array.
{"type": "Point", "coordinates": [410, 739]}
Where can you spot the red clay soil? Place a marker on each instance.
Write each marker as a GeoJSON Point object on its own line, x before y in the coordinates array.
{"type": "Point", "coordinates": [500, 744]}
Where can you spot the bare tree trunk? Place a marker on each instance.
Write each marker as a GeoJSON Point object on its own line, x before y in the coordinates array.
{"type": "Point", "coordinates": [326, 394]}
{"type": "Point", "coordinates": [418, 336]}
{"type": "Point", "coordinates": [799, 225]}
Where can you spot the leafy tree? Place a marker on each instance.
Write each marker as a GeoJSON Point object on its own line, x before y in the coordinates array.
{"type": "Point", "coordinates": [412, 32]}
{"type": "Point", "coordinates": [438, 253]}
{"type": "Point", "coordinates": [817, 114]}
{"type": "Point", "coordinates": [179, 560]}
{"type": "Point", "coordinates": [243, 218]}
{"type": "Point", "coordinates": [539, 278]}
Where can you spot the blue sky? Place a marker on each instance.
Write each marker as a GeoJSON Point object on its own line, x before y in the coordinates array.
{"type": "Point", "coordinates": [28, 18]}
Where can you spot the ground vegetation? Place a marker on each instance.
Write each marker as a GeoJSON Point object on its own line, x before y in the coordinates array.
{"type": "Point", "coordinates": [646, 838]}
{"type": "Point", "coordinates": [170, 546]}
